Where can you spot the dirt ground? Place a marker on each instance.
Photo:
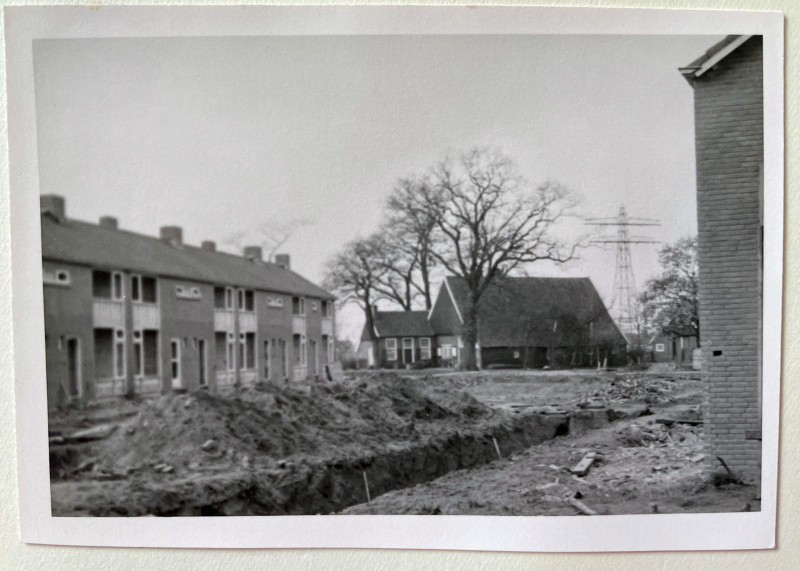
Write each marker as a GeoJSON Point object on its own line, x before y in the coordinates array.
{"type": "Point", "coordinates": [305, 448]}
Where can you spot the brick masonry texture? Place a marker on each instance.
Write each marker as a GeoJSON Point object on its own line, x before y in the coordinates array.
{"type": "Point", "coordinates": [729, 151]}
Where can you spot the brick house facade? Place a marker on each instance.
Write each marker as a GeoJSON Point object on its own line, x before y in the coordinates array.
{"type": "Point", "coordinates": [128, 314]}
{"type": "Point", "coordinates": [729, 134]}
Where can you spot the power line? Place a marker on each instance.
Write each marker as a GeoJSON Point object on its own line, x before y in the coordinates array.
{"type": "Point", "coordinates": [623, 303]}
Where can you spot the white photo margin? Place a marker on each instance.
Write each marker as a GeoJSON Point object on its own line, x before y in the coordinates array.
{"type": "Point", "coordinates": [668, 532]}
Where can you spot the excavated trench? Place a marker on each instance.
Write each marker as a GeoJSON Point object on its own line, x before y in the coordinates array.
{"type": "Point", "coordinates": [330, 486]}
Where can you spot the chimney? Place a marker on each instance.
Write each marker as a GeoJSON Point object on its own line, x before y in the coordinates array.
{"type": "Point", "coordinates": [173, 235]}
{"type": "Point", "coordinates": [54, 205]}
{"type": "Point", "coordinates": [253, 253]}
{"type": "Point", "coordinates": [109, 222]}
{"type": "Point", "coordinates": [208, 245]}
{"type": "Point", "coordinates": [283, 260]}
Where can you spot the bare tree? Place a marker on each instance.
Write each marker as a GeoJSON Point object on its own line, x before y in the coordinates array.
{"type": "Point", "coordinates": [270, 236]}
{"type": "Point", "coordinates": [411, 237]}
{"type": "Point", "coordinates": [353, 274]}
{"type": "Point", "coordinates": [491, 223]}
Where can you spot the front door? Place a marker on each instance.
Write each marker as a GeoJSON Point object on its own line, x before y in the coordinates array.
{"type": "Point", "coordinates": [201, 358]}
{"type": "Point", "coordinates": [266, 359]}
{"type": "Point", "coordinates": [408, 350]}
{"type": "Point", "coordinates": [312, 357]}
{"type": "Point", "coordinates": [73, 368]}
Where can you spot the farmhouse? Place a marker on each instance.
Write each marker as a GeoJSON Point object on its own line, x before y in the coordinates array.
{"type": "Point", "coordinates": [522, 322]}
{"type": "Point", "coordinates": [530, 322]}
{"type": "Point", "coordinates": [128, 314]}
{"type": "Point", "coordinates": [405, 338]}
{"type": "Point", "coordinates": [729, 147]}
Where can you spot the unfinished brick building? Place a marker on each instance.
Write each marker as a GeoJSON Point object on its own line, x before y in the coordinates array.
{"type": "Point", "coordinates": [128, 314]}
{"type": "Point", "coordinates": [729, 132]}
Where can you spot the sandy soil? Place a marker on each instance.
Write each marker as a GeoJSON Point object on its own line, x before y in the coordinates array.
{"type": "Point", "coordinates": [306, 448]}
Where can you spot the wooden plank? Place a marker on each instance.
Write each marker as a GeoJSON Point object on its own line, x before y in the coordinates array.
{"type": "Point", "coordinates": [582, 467]}
{"type": "Point", "coordinates": [581, 507]}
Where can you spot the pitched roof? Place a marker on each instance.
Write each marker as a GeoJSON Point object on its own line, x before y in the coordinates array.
{"type": "Point", "coordinates": [84, 243]}
{"type": "Point", "coordinates": [536, 311]}
{"type": "Point", "coordinates": [713, 55]}
{"type": "Point", "coordinates": [400, 324]}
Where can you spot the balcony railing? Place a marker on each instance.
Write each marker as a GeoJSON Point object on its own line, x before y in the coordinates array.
{"type": "Point", "coordinates": [108, 313]}
{"type": "Point", "coordinates": [146, 316]}
{"type": "Point", "coordinates": [247, 322]}
{"type": "Point", "coordinates": [223, 320]}
{"type": "Point", "coordinates": [298, 325]}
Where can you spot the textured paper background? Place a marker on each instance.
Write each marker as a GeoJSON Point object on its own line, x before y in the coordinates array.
{"type": "Point", "coordinates": [13, 554]}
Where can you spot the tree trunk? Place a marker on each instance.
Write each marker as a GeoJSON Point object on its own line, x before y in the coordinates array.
{"type": "Point", "coordinates": [426, 283]}
{"type": "Point", "coordinates": [371, 330]}
{"type": "Point", "coordinates": [469, 335]}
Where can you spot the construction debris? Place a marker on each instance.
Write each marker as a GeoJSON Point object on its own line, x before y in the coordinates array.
{"type": "Point", "coordinates": [582, 467]}
{"type": "Point", "coordinates": [580, 506]}
{"type": "Point", "coordinates": [95, 433]}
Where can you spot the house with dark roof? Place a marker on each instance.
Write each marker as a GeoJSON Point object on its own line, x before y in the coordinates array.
{"type": "Point", "coordinates": [522, 322]}
{"type": "Point", "coordinates": [728, 85]}
{"type": "Point", "coordinates": [529, 322]}
{"type": "Point", "coordinates": [405, 339]}
{"type": "Point", "coordinates": [129, 314]}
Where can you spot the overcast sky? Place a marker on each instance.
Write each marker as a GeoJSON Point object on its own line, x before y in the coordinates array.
{"type": "Point", "coordinates": [219, 135]}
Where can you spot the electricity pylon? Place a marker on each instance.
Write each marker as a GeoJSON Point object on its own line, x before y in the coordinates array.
{"type": "Point", "coordinates": [623, 307]}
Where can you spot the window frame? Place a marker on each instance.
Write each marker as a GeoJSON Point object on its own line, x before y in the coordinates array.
{"type": "Point", "coordinates": [425, 346]}
{"type": "Point", "coordinates": [391, 349]}
{"type": "Point", "coordinates": [175, 347]}
{"type": "Point", "coordinates": [120, 365]}
{"type": "Point", "coordinates": [117, 279]}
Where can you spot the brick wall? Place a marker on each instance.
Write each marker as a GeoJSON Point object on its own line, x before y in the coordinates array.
{"type": "Point", "coordinates": [729, 151]}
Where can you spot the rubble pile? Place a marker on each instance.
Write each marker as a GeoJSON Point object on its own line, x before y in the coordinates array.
{"type": "Point", "coordinates": [176, 434]}
{"type": "Point", "coordinates": [658, 434]}
{"type": "Point", "coordinates": [644, 389]}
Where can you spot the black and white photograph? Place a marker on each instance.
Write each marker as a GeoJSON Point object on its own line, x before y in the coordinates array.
{"type": "Point", "coordinates": [402, 274]}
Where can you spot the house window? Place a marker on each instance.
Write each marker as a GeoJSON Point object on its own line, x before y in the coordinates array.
{"type": "Point", "coordinates": [175, 359]}
{"type": "Point", "coordinates": [107, 285]}
{"type": "Point", "coordinates": [425, 348]}
{"type": "Point", "coordinates": [231, 352]}
{"type": "Point", "coordinates": [267, 356]}
{"type": "Point", "coordinates": [228, 298]}
{"type": "Point", "coordinates": [188, 292]}
{"type": "Point", "coordinates": [391, 349]}
{"type": "Point", "coordinates": [246, 300]}
{"type": "Point", "coordinates": [119, 354]}
{"type": "Point", "coordinates": [284, 358]}
{"type": "Point", "coordinates": [299, 342]}
{"type": "Point", "coordinates": [325, 308]}
{"type": "Point", "coordinates": [298, 306]}
{"type": "Point", "coordinates": [118, 290]}
{"type": "Point", "coordinates": [219, 297]}
{"type": "Point", "coordinates": [138, 354]}
{"type": "Point", "coordinates": [56, 277]}
{"type": "Point", "coordinates": [659, 347]}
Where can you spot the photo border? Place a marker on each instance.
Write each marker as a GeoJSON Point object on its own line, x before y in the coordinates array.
{"type": "Point", "coordinates": [663, 532]}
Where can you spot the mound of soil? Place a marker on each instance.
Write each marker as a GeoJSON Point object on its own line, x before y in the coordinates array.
{"type": "Point", "coordinates": [271, 423]}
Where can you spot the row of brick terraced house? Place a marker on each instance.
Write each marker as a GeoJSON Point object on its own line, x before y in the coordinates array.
{"type": "Point", "coordinates": [129, 314]}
